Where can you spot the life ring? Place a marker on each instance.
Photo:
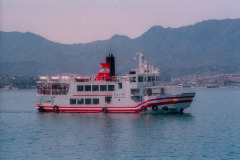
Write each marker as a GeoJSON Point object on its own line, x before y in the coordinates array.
{"type": "Point", "coordinates": [165, 108]}
{"type": "Point", "coordinates": [143, 108]}
{"type": "Point", "coordinates": [104, 110]}
{"type": "Point", "coordinates": [56, 108]}
{"type": "Point", "coordinates": [41, 109]}
{"type": "Point", "coordinates": [154, 108]}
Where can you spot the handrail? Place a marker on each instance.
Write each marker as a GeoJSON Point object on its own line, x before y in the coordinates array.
{"type": "Point", "coordinates": [52, 91]}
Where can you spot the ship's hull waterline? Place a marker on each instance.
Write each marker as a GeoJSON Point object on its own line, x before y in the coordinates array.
{"type": "Point", "coordinates": [153, 106]}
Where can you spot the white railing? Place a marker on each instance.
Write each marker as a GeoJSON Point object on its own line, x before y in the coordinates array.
{"type": "Point", "coordinates": [52, 91]}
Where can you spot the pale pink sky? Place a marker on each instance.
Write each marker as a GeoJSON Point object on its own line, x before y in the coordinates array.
{"type": "Point", "coordinates": [82, 21]}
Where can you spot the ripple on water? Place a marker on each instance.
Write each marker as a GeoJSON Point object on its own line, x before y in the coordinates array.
{"type": "Point", "coordinates": [207, 130]}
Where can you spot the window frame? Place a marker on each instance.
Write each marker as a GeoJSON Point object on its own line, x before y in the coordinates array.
{"type": "Point", "coordinates": [95, 101]}
{"type": "Point", "coordinates": [132, 79]}
{"type": "Point", "coordinates": [140, 79]}
{"type": "Point", "coordinates": [103, 86]}
{"type": "Point", "coordinates": [149, 78]}
{"type": "Point", "coordinates": [120, 85]}
{"type": "Point", "coordinates": [73, 101]}
{"type": "Point", "coordinates": [153, 78]}
{"type": "Point", "coordinates": [88, 89]}
{"type": "Point", "coordinates": [78, 88]}
{"type": "Point", "coordinates": [111, 89]}
{"type": "Point", "coordinates": [78, 100]}
{"type": "Point", "coordinates": [108, 99]}
{"type": "Point", "coordinates": [95, 89]}
{"type": "Point", "coordinates": [86, 100]}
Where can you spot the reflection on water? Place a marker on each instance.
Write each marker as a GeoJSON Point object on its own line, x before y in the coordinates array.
{"type": "Point", "coordinates": [106, 134]}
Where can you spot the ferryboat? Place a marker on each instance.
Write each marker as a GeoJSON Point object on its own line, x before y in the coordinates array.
{"type": "Point", "coordinates": [139, 91]}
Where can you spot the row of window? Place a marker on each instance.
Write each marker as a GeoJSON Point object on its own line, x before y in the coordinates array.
{"type": "Point", "coordinates": [95, 87]}
{"type": "Point", "coordinates": [88, 100]}
{"type": "Point", "coordinates": [146, 79]}
{"type": "Point", "coordinates": [84, 101]}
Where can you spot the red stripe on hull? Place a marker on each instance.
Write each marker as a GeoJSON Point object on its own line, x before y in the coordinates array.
{"type": "Point", "coordinates": [110, 109]}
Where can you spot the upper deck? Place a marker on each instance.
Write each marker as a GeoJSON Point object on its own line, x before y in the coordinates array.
{"type": "Point", "coordinates": [144, 76]}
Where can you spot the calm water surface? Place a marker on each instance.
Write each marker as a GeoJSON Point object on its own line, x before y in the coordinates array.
{"type": "Point", "coordinates": [209, 129]}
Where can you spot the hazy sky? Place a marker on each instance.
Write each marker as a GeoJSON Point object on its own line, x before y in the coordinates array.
{"type": "Point", "coordinates": [81, 21]}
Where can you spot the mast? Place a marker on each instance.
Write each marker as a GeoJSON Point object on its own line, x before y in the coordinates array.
{"type": "Point", "coordinates": [141, 63]}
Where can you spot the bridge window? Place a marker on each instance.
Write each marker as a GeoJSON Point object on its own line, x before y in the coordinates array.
{"type": "Point", "coordinates": [103, 88]}
{"type": "Point", "coordinates": [153, 78]}
{"type": "Point", "coordinates": [140, 78]}
{"type": "Point", "coordinates": [79, 88]}
{"type": "Point", "coordinates": [95, 88]}
{"type": "Point", "coordinates": [111, 87]}
{"type": "Point", "coordinates": [158, 78]}
{"type": "Point", "coordinates": [88, 88]}
{"type": "Point", "coordinates": [95, 101]}
{"type": "Point", "coordinates": [132, 79]}
{"type": "Point", "coordinates": [80, 101]}
{"type": "Point", "coordinates": [88, 101]}
{"type": "Point", "coordinates": [149, 78]}
{"type": "Point", "coordinates": [72, 100]}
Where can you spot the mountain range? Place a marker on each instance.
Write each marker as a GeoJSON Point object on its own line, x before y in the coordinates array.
{"type": "Point", "coordinates": [207, 47]}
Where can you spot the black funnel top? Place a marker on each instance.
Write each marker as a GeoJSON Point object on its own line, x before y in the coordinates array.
{"type": "Point", "coordinates": [111, 60]}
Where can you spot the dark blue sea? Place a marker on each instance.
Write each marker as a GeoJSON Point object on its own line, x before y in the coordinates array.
{"type": "Point", "coordinates": [209, 129]}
